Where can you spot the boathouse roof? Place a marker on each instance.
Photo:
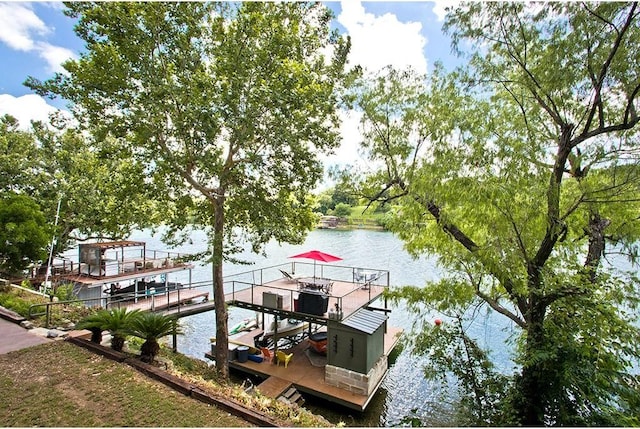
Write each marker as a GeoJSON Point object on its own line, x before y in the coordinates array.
{"type": "Point", "coordinates": [366, 321]}
{"type": "Point", "coordinates": [113, 244]}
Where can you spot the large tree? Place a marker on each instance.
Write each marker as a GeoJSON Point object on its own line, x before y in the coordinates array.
{"type": "Point", "coordinates": [227, 104]}
{"type": "Point", "coordinates": [521, 173]}
{"type": "Point", "coordinates": [24, 233]}
{"type": "Point", "coordinates": [98, 189]}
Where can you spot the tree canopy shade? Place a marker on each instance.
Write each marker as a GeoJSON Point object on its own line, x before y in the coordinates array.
{"type": "Point", "coordinates": [521, 173]}
{"type": "Point", "coordinates": [23, 233]}
{"type": "Point", "coordinates": [98, 188]}
{"type": "Point", "coordinates": [226, 104]}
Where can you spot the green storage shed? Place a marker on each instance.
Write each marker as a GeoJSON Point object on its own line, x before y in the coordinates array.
{"type": "Point", "coordinates": [356, 342]}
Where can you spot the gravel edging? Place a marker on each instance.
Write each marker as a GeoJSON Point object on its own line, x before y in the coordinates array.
{"type": "Point", "coordinates": [176, 383]}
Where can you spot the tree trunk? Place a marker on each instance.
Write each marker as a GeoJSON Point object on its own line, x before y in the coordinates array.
{"type": "Point", "coordinates": [117, 342]}
{"type": "Point", "coordinates": [222, 340]}
{"type": "Point", "coordinates": [530, 404]}
{"type": "Point", "coordinates": [96, 335]}
{"type": "Point", "coordinates": [149, 350]}
{"type": "Point", "coordinates": [595, 230]}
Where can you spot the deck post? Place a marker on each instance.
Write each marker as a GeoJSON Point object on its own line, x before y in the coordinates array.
{"type": "Point", "coordinates": [179, 292]}
{"type": "Point", "coordinates": [174, 336]}
{"type": "Point", "coordinates": [275, 334]}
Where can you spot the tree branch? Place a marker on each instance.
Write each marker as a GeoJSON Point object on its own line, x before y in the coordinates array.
{"type": "Point", "coordinates": [597, 102]}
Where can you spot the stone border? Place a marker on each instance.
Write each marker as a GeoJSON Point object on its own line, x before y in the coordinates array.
{"type": "Point", "coordinates": [176, 383]}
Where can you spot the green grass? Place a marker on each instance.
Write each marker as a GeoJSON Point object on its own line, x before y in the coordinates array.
{"type": "Point", "coordinates": [59, 384]}
{"type": "Point", "coordinates": [367, 219]}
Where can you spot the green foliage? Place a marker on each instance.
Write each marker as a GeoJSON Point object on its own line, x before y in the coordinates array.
{"type": "Point", "coordinates": [23, 233]}
{"type": "Point", "coordinates": [151, 327]}
{"type": "Point", "coordinates": [18, 156]}
{"type": "Point", "coordinates": [100, 191]}
{"type": "Point", "coordinates": [520, 173]}
{"type": "Point", "coordinates": [19, 300]}
{"type": "Point", "coordinates": [224, 107]}
{"type": "Point", "coordinates": [64, 292]}
{"type": "Point", "coordinates": [342, 210]}
{"type": "Point", "coordinates": [117, 321]}
{"type": "Point", "coordinates": [18, 304]}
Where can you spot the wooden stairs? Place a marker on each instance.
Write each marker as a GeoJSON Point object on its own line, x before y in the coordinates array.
{"type": "Point", "coordinates": [280, 389]}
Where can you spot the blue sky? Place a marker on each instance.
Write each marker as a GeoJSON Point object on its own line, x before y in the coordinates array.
{"type": "Point", "coordinates": [36, 37]}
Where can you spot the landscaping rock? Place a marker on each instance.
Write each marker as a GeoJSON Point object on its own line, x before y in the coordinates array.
{"type": "Point", "coordinates": [66, 326]}
{"type": "Point", "coordinates": [55, 333]}
{"type": "Point", "coordinates": [26, 324]}
{"type": "Point", "coordinates": [40, 331]}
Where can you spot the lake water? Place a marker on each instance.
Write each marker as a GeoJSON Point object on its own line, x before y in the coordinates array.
{"type": "Point", "coordinates": [404, 391]}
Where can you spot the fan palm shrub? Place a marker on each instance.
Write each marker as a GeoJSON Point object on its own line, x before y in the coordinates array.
{"type": "Point", "coordinates": [94, 323]}
{"type": "Point", "coordinates": [151, 327]}
{"type": "Point", "coordinates": [118, 321]}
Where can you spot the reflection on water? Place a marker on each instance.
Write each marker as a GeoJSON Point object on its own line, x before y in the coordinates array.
{"type": "Point", "coordinates": [404, 392]}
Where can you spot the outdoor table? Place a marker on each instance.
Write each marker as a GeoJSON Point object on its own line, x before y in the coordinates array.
{"type": "Point", "coordinates": [314, 283]}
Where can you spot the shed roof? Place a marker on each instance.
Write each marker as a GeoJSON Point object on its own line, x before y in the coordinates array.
{"type": "Point", "coordinates": [366, 321]}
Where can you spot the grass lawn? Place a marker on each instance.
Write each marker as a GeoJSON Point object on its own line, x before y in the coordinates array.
{"type": "Point", "coordinates": [60, 384]}
{"type": "Point", "coordinates": [364, 218]}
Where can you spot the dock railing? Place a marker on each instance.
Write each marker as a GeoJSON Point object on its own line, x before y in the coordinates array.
{"type": "Point", "coordinates": [151, 300]}
{"type": "Point", "coordinates": [248, 287]}
{"type": "Point", "coordinates": [172, 295]}
{"type": "Point", "coordinates": [132, 261]}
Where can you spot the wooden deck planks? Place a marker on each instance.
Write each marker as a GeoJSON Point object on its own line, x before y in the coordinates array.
{"type": "Point", "coordinates": [274, 386]}
{"type": "Point", "coordinates": [306, 377]}
{"type": "Point", "coordinates": [162, 301]}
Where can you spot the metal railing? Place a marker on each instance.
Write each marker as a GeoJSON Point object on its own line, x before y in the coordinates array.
{"type": "Point", "coordinates": [344, 304]}
{"type": "Point", "coordinates": [119, 301]}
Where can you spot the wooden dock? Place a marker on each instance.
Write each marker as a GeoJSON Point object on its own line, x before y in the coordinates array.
{"type": "Point", "coordinates": [305, 376]}
{"type": "Point", "coordinates": [166, 301]}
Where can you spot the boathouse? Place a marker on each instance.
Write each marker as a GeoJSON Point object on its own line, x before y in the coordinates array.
{"type": "Point", "coordinates": [124, 272]}
{"type": "Point", "coordinates": [337, 307]}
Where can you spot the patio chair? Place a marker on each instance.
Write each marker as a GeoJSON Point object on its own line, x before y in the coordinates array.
{"type": "Point", "coordinates": [290, 277]}
{"type": "Point", "coordinates": [283, 357]}
{"type": "Point", "coordinates": [267, 354]}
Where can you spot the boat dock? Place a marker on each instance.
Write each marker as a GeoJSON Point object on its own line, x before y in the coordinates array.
{"type": "Point", "coordinates": [331, 319]}
{"type": "Point", "coordinates": [306, 372]}
{"type": "Point", "coordinates": [346, 304]}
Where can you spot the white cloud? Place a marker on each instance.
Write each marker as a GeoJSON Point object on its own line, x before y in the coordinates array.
{"type": "Point", "coordinates": [26, 108]}
{"type": "Point", "coordinates": [54, 56]}
{"type": "Point", "coordinates": [440, 5]}
{"type": "Point", "coordinates": [21, 29]}
{"type": "Point", "coordinates": [18, 24]}
{"type": "Point", "coordinates": [378, 41]}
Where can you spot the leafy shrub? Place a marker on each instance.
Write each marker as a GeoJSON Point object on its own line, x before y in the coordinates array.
{"type": "Point", "coordinates": [342, 210]}
{"type": "Point", "coordinates": [20, 301]}
{"type": "Point", "coordinates": [151, 327]}
{"type": "Point", "coordinates": [64, 292]}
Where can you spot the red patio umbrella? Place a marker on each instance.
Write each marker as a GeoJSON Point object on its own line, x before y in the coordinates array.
{"type": "Point", "coordinates": [317, 255]}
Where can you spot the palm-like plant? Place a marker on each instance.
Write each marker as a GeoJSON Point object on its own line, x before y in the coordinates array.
{"type": "Point", "coordinates": [118, 322]}
{"type": "Point", "coordinates": [151, 327]}
{"type": "Point", "coordinates": [94, 323]}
